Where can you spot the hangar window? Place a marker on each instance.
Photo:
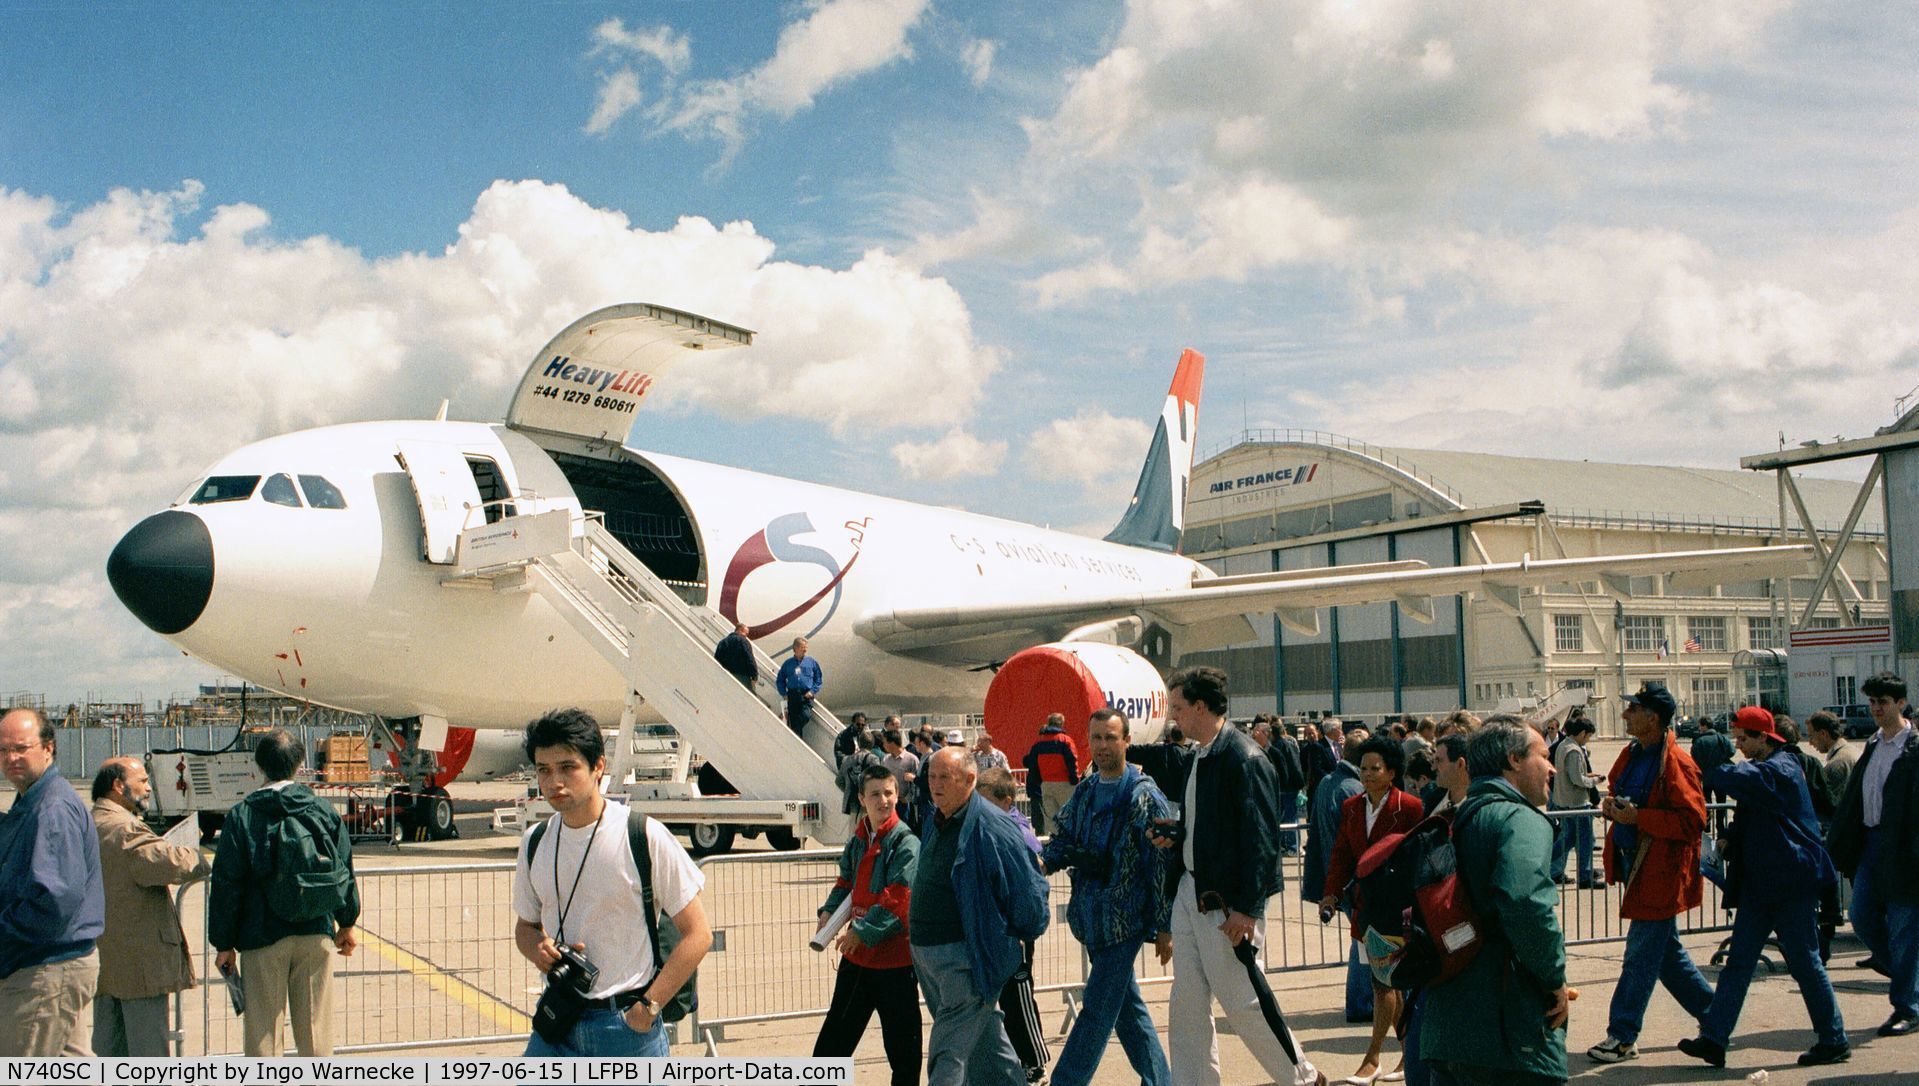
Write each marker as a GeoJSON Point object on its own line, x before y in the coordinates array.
{"type": "Point", "coordinates": [1569, 634]}
{"type": "Point", "coordinates": [279, 490]}
{"type": "Point", "coordinates": [1644, 633]}
{"type": "Point", "coordinates": [322, 494]}
{"type": "Point", "coordinates": [1709, 631]}
{"type": "Point", "coordinates": [1762, 632]}
{"type": "Point", "coordinates": [226, 488]}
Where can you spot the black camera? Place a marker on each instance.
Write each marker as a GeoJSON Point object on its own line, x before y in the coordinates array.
{"type": "Point", "coordinates": [564, 998]}
{"type": "Point", "coordinates": [1089, 863]}
{"type": "Point", "coordinates": [1174, 832]}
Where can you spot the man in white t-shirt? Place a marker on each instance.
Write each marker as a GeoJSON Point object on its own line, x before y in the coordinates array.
{"type": "Point", "coordinates": [582, 889]}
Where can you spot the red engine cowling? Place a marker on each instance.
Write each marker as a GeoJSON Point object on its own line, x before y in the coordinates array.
{"type": "Point", "coordinates": [1074, 679]}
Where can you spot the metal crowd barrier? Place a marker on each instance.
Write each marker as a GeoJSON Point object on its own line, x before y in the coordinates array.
{"type": "Point", "coordinates": [437, 966]}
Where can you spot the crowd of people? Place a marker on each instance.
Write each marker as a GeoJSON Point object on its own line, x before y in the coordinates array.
{"type": "Point", "coordinates": [942, 890]}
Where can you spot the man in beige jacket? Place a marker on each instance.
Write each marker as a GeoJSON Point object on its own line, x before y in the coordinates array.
{"type": "Point", "coordinates": [143, 955]}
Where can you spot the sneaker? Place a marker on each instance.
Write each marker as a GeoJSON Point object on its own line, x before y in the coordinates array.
{"type": "Point", "coordinates": [1699, 1048]}
{"type": "Point", "coordinates": [1823, 1053]}
{"type": "Point", "coordinates": [1613, 1050]}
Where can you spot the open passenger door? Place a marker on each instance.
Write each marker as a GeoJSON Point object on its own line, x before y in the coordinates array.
{"type": "Point", "coordinates": [443, 484]}
{"type": "Point", "coordinates": [584, 387]}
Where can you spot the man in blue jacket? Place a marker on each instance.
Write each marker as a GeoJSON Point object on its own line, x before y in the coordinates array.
{"type": "Point", "coordinates": [799, 682]}
{"type": "Point", "coordinates": [1104, 835]}
{"type": "Point", "coordinates": [1778, 866]}
{"type": "Point", "coordinates": [53, 906]}
{"type": "Point", "coordinates": [976, 895]}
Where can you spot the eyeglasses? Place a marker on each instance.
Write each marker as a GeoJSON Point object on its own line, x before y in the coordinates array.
{"type": "Point", "coordinates": [21, 748]}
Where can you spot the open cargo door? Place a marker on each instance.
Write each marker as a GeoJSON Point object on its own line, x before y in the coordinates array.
{"type": "Point", "coordinates": [584, 387]}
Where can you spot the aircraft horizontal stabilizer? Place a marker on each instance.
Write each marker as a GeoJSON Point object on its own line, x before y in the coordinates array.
{"type": "Point", "coordinates": [977, 633]}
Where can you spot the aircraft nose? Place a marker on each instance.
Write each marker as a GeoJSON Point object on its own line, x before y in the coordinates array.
{"type": "Point", "coordinates": [162, 570]}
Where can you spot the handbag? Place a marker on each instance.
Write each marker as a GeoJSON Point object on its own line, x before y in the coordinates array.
{"type": "Point", "coordinates": [1712, 859]}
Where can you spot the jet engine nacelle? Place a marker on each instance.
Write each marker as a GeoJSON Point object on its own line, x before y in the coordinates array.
{"type": "Point", "coordinates": [1073, 678]}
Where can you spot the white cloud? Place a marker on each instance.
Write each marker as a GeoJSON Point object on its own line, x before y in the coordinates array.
{"type": "Point", "coordinates": [128, 360]}
{"type": "Point", "coordinates": [1093, 449]}
{"type": "Point", "coordinates": [619, 92]}
{"type": "Point", "coordinates": [1254, 225]}
{"type": "Point", "coordinates": [957, 455]}
{"type": "Point", "coordinates": [672, 51]}
{"type": "Point", "coordinates": [836, 41]}
{"type": "Point", "coordinates": [977, 58]}
{"type": "Point", "coordinates": [1636, 343]}
{"type": "Point", "coordinates": [619, 95]}
{"type": "Point", "coordinates": [1215, 140]}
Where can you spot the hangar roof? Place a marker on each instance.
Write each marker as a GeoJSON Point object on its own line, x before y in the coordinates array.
{"type": "Point", "coordinates": [1590, 488]}
{"type": "Point", "coordinates": [1595, 490]}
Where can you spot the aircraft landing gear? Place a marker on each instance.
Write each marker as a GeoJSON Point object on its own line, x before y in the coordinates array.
{"type": "Point", "coordinates": [426, 815]}
{"type": "Point", "coordinates": [422, 811]}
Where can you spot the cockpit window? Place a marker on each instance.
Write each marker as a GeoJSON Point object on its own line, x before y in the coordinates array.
{"type": "Point", "coordinates": [279, 490]}
{"type": "Point", "coordinates": [225, 488]}
{"type": "Point", "coordinates": [322, 494]}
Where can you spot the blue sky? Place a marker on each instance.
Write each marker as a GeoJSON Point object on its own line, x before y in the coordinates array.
{"type": "Point", "coordinates": [973, 238]}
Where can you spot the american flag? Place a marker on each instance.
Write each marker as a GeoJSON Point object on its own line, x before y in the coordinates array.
{"type": "Point", "coordinates": [1692, 645]}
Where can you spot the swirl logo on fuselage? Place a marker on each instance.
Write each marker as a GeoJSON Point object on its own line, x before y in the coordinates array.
{"type": "Point", "coordinates": [774, 543]}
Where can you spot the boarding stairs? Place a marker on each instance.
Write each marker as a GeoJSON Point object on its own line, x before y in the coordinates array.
{"type": "Point", "coordinates": [663, 645]}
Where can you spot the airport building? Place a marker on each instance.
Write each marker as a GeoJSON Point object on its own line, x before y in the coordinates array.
{"type": "Point", "coordinates": [1290, 499]}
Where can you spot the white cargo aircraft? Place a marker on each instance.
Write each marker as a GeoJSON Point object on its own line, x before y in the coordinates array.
{"type": "Point", "coordinates": [372, 566]}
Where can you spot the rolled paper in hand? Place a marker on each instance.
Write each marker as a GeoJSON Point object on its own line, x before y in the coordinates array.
{"type": "Point", "coordinates": [830, 928]}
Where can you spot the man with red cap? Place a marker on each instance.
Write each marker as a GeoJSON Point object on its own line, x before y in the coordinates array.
{"type": "Point", "coordinates": [1776, 867]}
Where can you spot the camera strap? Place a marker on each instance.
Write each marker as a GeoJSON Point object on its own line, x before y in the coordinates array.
{"type": "Point", "coordinates": [563, 907]}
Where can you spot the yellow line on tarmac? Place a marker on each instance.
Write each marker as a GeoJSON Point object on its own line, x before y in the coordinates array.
{"type": "Point", "coordinates": [505, 1017]}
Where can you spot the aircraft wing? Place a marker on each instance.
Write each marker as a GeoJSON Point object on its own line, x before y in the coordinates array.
{"type": "Point", "coordinates": [982, 633]}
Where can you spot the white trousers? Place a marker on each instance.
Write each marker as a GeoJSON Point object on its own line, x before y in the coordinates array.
{"type": "Point", "coordinates": [1204, 969]}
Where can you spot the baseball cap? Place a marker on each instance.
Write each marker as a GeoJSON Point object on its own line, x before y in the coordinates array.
{"type": "Point", "coordinates": [1656, 697]}
{"type": "Point", "coordinates": [1758, 721]}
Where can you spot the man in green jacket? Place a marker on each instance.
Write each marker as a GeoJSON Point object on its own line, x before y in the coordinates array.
{"type": "Point", "coordinates": [1503, 1019]}
{"type": "Point", "coordinates": [285, 961]}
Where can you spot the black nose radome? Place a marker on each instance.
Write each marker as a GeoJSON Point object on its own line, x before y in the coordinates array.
{"type": "Point", "coordinates": [163, 570]}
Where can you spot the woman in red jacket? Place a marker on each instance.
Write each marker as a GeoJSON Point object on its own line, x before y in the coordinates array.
{"type": "Point", "coordinates": [1382, 809]}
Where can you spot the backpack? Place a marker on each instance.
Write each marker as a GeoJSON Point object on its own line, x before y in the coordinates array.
{"type": "Point", "coordinates": [1417, 923]}
{"type": "Point", "coordinates": [663, 938]}
{"type": "Point", "coordinates": [306, 878]}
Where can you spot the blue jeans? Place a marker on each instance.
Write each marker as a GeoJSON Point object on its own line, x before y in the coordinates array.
{"type": "Point", "coordinates": [1111, 1003]}
{"type": "Point", "coordinates": [1653, 954]}
{"type": "Point", "coordinates": [1575, 835]}
{"type": "Point", "coordinates": [602, 1032]}
{"type": "Point", "coordinates": [1289, 813]}
{"type": "Point", "coordinates": [1795, 921]}
{"type": "Point", "coordinates": [1889, 929]}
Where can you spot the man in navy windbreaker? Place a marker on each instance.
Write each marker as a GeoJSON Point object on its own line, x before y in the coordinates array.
{"type": "Point", "coordinates": [1777, 868]}
{"type": "Point", "coordinates": [53, 906]}
{"type": "Point", "coordinates": [976, 894]}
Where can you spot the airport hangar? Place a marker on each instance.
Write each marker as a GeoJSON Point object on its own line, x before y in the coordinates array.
{"type": "Point", "coordinates": [1295, 499]}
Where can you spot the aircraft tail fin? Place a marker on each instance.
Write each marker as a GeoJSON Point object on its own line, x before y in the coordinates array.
{"type": "Point", "coordinates": [1156, 516]}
